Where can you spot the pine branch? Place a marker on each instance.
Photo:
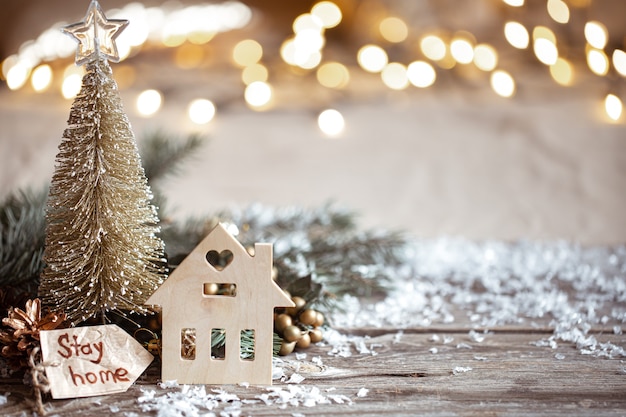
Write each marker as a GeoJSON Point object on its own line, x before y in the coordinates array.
{"type": "Point", "coordinates": [22, 233]}
{"type": "Point", "coordinates": [162, 156]}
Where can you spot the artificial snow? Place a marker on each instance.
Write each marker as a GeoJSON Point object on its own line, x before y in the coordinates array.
{"type": "Point", "coordinates": [460, 370]}
{"type": "Point", "coordinates": [362, 392]}
{"type": "Point", "coordinates": [493, 283]}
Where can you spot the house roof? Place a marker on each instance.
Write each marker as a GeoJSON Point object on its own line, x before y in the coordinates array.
{"type": "Point", "coordinates": [244, 268]}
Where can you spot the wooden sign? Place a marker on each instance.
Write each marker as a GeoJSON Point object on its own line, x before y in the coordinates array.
{"type": "Point", "coordinates": [93, 360]}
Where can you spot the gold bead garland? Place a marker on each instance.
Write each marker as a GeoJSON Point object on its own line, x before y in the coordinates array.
{"type": "Point", "coordinates": [298, 326]}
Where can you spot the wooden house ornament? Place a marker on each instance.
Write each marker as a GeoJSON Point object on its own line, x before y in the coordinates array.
{"type": "Point", "coordinates": [219, 290]}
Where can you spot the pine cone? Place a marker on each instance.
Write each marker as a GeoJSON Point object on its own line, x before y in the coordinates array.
{"type": "Point", "coordinates": [20, 332]}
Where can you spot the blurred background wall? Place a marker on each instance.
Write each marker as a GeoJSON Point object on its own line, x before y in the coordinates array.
{"type": "Point", "coordinates": [455, 157]}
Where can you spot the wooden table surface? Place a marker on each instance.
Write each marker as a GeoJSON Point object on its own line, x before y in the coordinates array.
{"type": "Point", "coordinates": [442, 371]}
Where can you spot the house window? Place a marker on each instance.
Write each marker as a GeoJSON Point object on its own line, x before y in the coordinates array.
{"type": "Point", "coordinates": [188, 344]}
{"type": "Point", "coordinates": [218, 344]}
{"type": "Point", "coordinates": [219, 260]}
{"type": "Point", "coordinates": [221, 289]}
{"type": "Point", "coordinates": [247, 343]}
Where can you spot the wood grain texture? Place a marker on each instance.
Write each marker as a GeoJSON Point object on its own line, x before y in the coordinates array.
{"type": "Point", "coordinates": [509, 376]}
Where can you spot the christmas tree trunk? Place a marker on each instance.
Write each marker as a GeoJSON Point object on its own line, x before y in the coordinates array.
{"type": "Point", "coordinates": [102, 250]}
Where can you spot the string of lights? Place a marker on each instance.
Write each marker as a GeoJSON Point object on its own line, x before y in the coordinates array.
{"type": "Point", "coordinates": [307, 51]}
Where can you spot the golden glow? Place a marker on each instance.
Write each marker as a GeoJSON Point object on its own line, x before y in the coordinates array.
{"type": "Point", "coordinates": [71, 85]}
{"type": "Point", "coordinates": [189, 55]}
{"type": "Point", "coordinates": [333, 75]}
{"type": "Point", "coordinates": [247, 52]}
{"type": "Point", "coordinates": [328, 12]}
{"type": "Point", "coordinates": [394, 76]}
{"type": "Point", "coordinates": [421, 74]}
{"type": "Point", "coordinates": [433, 47]}
{"type": "Point", "coordinates": [558, 11]}
{"type": "Point", "coordinates": [514, 3]}
{"type": "Point", "coordinates": [372, 58]}
{"type": "Point", "coordinates": [72, 81]}
{"type": "Point", "coordinates": [256, 72]}
{"type": "Point", "coordinates": [311, 60]}
{"type": "Point", "coordinates": [542, 32]}
{"type": "Point", "coordinates": [137, 33]}
{"type": "Point", "coordinates": [149, 102]}
{"type": "Point", "coordinates": [562, 71]}
{"type": "Point", "coordinates": [516, 34]}
{"type": "Point", "coordinates": [201, 111]}
{"type": "Point", "coordinates": [502, 83]}
{"type": "Point", "coordinates": [485, 57]}
{"type": "Point", "coordinates": [619, 61]}
{"type": "Point", "coordinates": [17, 75]}
{"type": "Point", "coordinates": [393, 29]}
{"type": "Point", "coordinates": [125, 76]}
{"type": "Point", "coordinates": [597, 61]}
{"type": "Point", "coordinates": [307, 21]}
{"type": "Point", "coordinates": [331, 122]}
{"type": "Point", "coordinates": [580, 3]}
{"type": "Point", "coordinates": [258, 94]}
{"type": "Point", "coordinates": [613, 107]}
{"type": "Point", "coordinates": [462, 50]}
{"type": "Point", "coordinates": [596, 34]}
{"type": "Point", "coordinates": [172, 40]}
{"type": "Point", "coordinates": [309, 40]}
{"type": "Point", "coordinates": [8, 62]}
{"type": "Point", "coordinates": [545, 51]}
{"type": "Point", "coordinates": [41, 77]}
{"type": "Point", "coordinates": [200, 37]}
{"type": "Point", "coordinates": [288, 52]}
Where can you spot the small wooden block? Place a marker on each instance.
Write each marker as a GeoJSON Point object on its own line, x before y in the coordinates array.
{"type": "Point", "coordinates": [219, 286]}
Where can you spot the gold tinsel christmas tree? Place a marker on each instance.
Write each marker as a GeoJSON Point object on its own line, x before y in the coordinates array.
{"type": "Point", "coordinates": [102, 251]}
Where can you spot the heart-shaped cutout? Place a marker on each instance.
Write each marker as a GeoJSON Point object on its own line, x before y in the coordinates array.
{"type": "Point", "coordinates": [219, 260]}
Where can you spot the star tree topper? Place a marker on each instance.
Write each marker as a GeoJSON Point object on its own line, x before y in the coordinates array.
{"type": "Point", "coordinates": [96, 35]}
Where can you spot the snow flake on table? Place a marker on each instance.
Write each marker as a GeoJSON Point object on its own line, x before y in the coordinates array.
{"type": "Point", "coordinates": [497, 283]}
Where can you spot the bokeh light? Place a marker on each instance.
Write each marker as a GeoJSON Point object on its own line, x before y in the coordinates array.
{"type": "Point", "coordinates": [462, 50]}
{"type": "Point", "coordinates": [331, 122]}
{"type": "Point", "coordinates": [395, 76]}
{"type": "Point", "coordinates": [393, 29]}
{"type": "Point", "coordinates": [502, 83]}
{"type": "Point", "coordinates": [597, 61]}
{"type": "Point", "coordinates": [613, 107]}
{"type": "Point", "coordinates": [433, 47]}
{"type": "Point", "coordinates": [372, 58]}
{"type": "Point", "coordinates": [149, 102]}
{"type": "Point", "coordinates": [72, 81]}
{"type": "Point", "coordinates": [514, 3]}
{"type": "Point", "coordinates": [41, 77]}
{"type": "Point", "coordinates": [485, 57]}
{"type": "Point", "coordinates": [201, 111]}
{"type": "Point", "coordinates": [328, 12]}
{"type": "Point", "coordinates": [543, 32]}
{"type": "Point", "coordinates": [256, 72]}
{"type": "Point", "coordinates": [307, 21]}
{"type": "Point", "coordinates": [258, 94]}
{"type": "Point", "coordinates": [562, 71]}
{"type": "Point", "coordinates": [596, 34]}
{"type": "Point", "coordinates": [619, 61]}
{"type": "Point", "coordinates": [516, 35]}
{"type": "Point", "coordinates": [17, 75]}
{"type": "Point", "coordinates": [247, 52]}
{"type": "Point", "coordinates": [545, 51]}
{"type": "Point", "coordinates": [333, 75]}
{"type": "Point", "coordinates": [421, 74]}
{"type": "Point", "coordinates": [558, 11]}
